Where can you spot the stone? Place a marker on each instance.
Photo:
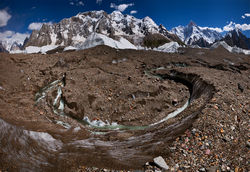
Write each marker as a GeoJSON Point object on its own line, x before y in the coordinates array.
{"type": "Point", "coordinates": [161, 162]}
{"type": "Point", "coordinates": [202, 169]}
{"type": "Point", "coordinates": [240, 87]}
{"type": "Point", "coordinates": [175, 102]}
{"type": "Point", "coordinates": [248, 144]}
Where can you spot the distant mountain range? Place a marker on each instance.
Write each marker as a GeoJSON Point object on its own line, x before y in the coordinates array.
{"type": "Point", "coordinates": [196, 35]}
{"type": "Point", "coordinates": [205, 37]}
{"type": "Point", "coordinates": [93, 28]}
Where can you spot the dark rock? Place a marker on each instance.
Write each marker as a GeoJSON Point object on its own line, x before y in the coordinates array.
{"type": "Point", "coordinates": [240, 87]}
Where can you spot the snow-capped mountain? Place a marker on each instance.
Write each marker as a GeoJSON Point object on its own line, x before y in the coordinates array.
{"type": "Point", "coordinates": [237, 38]}
{"type": "Point", "coordinates": [196, 35]}
{"type": "Point", "coordinates": [11, 44]}
{"type": "Point", "coordinates": [76, 30]}
{"type": "Point", "coordinates": [11, 40]}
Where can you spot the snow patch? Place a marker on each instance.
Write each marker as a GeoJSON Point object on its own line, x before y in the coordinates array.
{"type": "Point", "coordinates": [34, 49]}
{"type": "Point", "coordinates": [69, 48]}
{"type": "Point", "coordinates": [171, 47]}
{"type": "Point", "coordinates": [229, 48]}
{"type": "Point", "coordinates": [98, 123]}
{"type": "Point", "coordinates": [99, 39]}
{"type": "Point", "coordinates": [45, 139]}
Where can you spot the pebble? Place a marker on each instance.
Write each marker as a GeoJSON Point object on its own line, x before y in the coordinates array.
{"type": "Point", "coordinates": [186, 166]}
{"type": "Point", "coordinates": [161, 162]}
{"type": "Point", "coordinates": [221, 130]}
{"type": "Point", "coordinates": [216, 107]}
{"type": "Point", "coordinates": [202, 169]}
{"type": "Point", "coordinates": [208, 151]}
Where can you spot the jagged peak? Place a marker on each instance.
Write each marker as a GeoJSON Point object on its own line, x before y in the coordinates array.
{"type": "Point", "coordinates": [116, 15]}
{"type": "Point", "coordinates": [162, 27]}
{"type": "Point", "coordinates": [235, 31]}
{"type": "Point", "coordinates": [147, 18]}
{"type": "Point", "coordinates": [149, 21]}
{"type": "Point", "coordinates": [192, 23]}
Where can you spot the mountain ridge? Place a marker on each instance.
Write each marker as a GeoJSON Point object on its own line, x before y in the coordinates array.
{"type": "Point", "coordinates": [75, 30]}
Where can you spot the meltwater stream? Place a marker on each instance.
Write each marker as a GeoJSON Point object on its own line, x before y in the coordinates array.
{"type": "Point", "coordinates": [123, 147]}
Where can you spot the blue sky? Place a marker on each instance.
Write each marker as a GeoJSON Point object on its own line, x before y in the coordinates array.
{"type": "Point", "coordinates": [170, 13]}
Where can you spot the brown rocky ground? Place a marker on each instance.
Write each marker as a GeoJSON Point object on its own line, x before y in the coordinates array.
{"type": "Point", "coordinates": [108, 84]}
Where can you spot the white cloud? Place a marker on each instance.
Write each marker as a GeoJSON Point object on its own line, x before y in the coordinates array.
{"type": "Point", "coordinates": [229, 27]}
{"type": "Point", "coordinates": [4, 17]}
{"type": "Point", "coordinates": [243, 27]}
{"type": "Point", "coordinates": [121, 7]}
{"type": "Point", "coordinates": [213, 28]}
{"type": "Point", "coordinates": [37, 25]}
{"type": "Point", "coordinates": [80, 3]}
{"type": "Point", "coordinates": [98, 1]}
{"type": "Point", "coordinates": [247, 14]}
{"type": "Point", "coordinates": [77, 3]}
{"type": "Point", "coordinates": [133, 12]}
{"type": "Point", "coordinates": [232, 26]}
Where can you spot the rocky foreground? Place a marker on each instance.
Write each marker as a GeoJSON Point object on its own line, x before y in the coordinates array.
{"type": "Point", "coordinates": [108, 84]}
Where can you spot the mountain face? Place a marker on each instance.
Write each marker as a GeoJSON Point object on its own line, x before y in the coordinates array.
{"type": "Point", "coordinates": [236, 38]}
{"type": "Point", "coordinates": [15, 46]}
{"type": "Point", "coordinates": [196, 35]}
{"type": "Point", "coordinates": [2, 48]}
{"type": "Point", "coordinates": [75, 31]}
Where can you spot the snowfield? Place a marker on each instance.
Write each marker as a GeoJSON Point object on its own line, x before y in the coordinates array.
{"type": "Point", "coordinates": [96, 39]}
{"type": "Point", "coordinates": [171, 47]}
{"type": "Point", "coordinates": [34, 49]}
{"type": "Point", "coordinates": [99, 39]}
